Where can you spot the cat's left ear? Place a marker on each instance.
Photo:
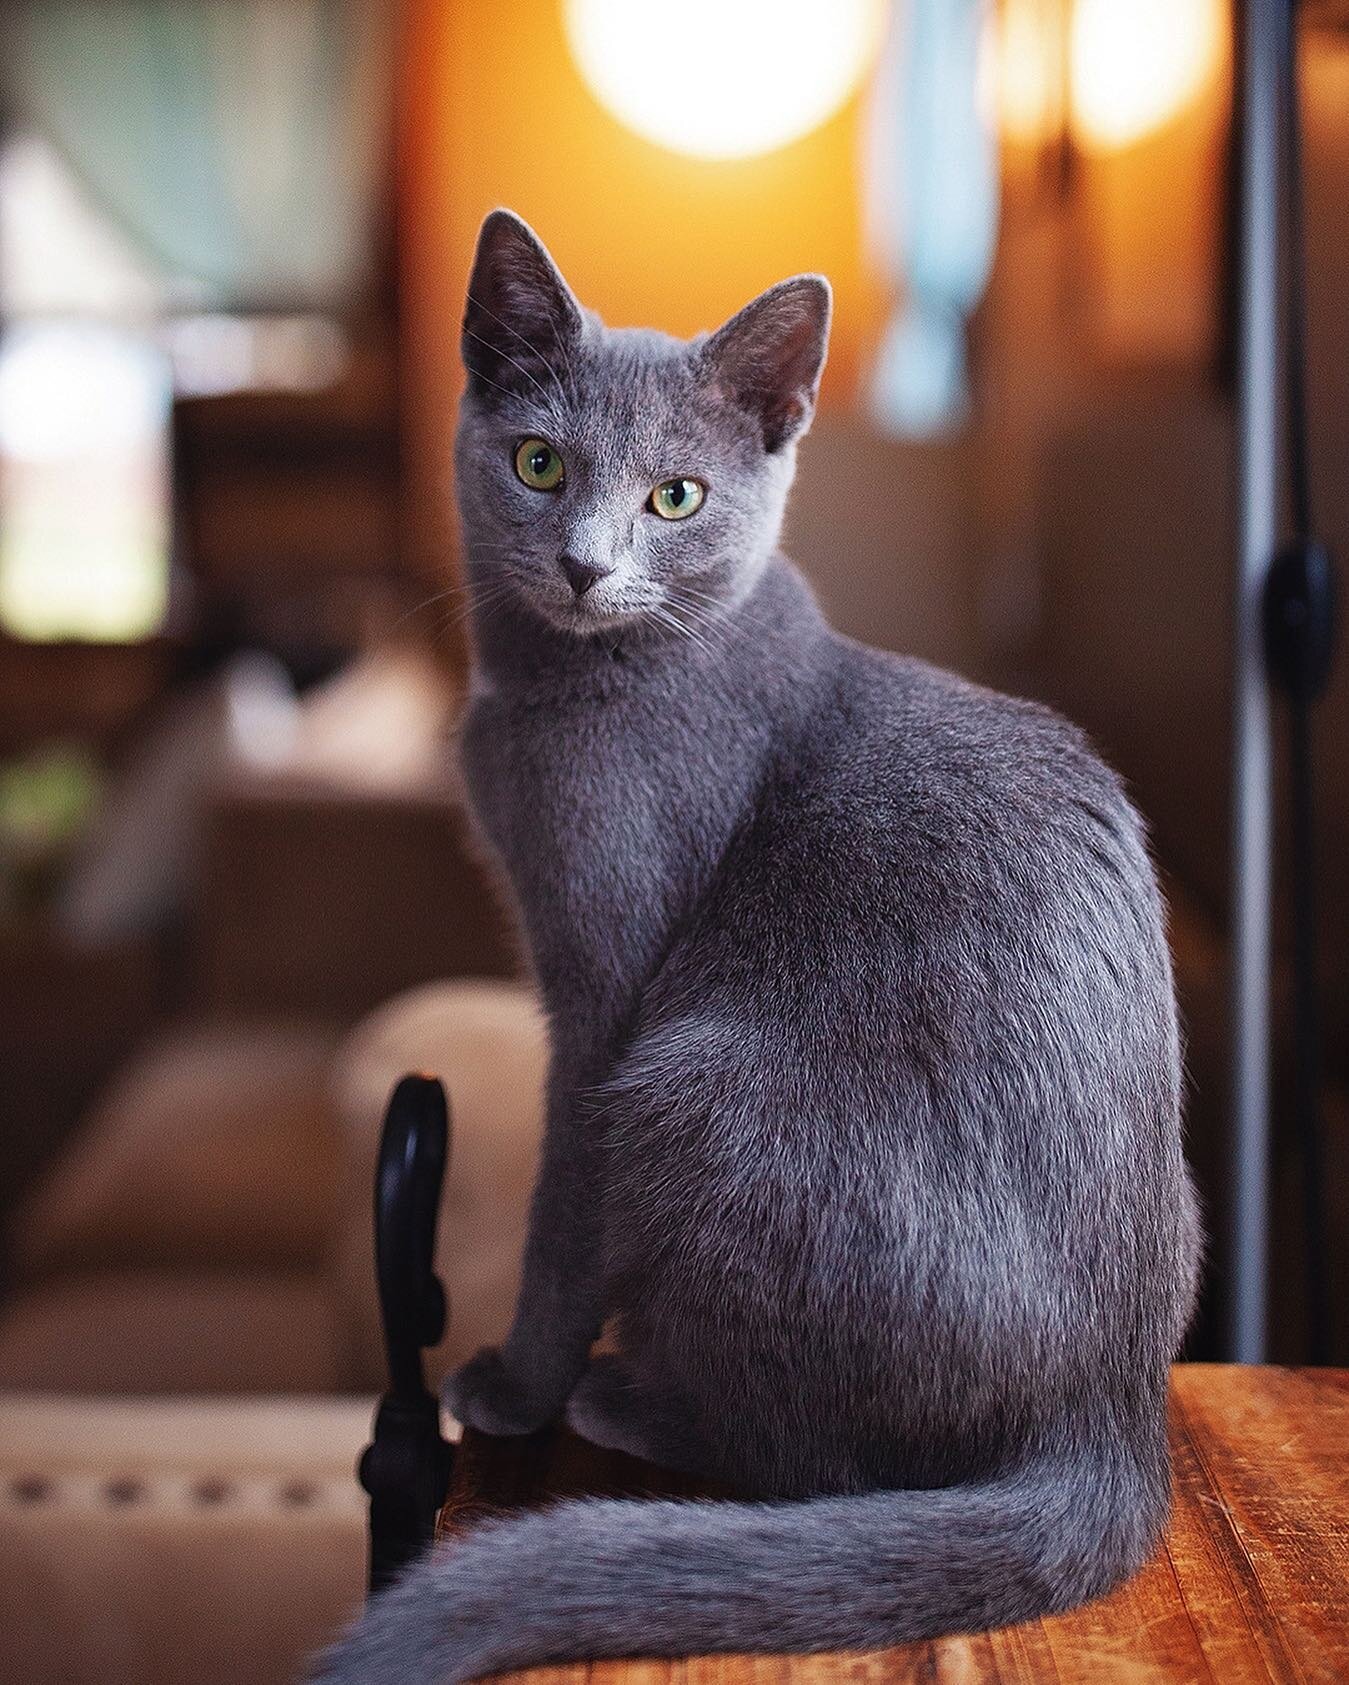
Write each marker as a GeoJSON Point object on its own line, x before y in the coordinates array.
{"type": "Point", "coordinates": [520, 316]}
{"type": "Point", "coordinates": [769, 357]}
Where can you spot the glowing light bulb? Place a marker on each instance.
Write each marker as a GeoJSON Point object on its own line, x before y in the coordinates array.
{"type": "Point", "coordinates": [723, 78]}
{"type": "Point", "coordinates": [1136, 64]}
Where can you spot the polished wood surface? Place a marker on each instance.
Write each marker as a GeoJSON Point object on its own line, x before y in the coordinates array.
{"type": "Point", "coordinates": [1251, 1583]}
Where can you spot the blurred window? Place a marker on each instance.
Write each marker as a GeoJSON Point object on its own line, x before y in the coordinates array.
{"type": "Point", "coordinates": [85, 392]}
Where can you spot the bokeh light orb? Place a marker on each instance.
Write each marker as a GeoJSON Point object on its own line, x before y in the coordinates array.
{"type": "Point", "coordinates": [1136, 64]}
{"type": "Point", "coordinates": [723, 78]}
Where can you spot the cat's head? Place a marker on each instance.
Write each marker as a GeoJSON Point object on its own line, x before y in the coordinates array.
{"type": "Point", "coordinates": [613, 477]}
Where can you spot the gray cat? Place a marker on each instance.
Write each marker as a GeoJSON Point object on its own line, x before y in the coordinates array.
{"type": "Point", "coordinates": [863, 1121]}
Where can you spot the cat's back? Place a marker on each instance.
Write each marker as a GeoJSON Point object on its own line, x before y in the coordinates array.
{"type": "Point", "coordinates": [896, 734]}
{"type": "Point", "coordinates": [917, 802]}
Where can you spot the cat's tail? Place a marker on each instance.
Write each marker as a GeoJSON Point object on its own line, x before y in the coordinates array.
{"type": "Point", "coordinates": [615, 1577]}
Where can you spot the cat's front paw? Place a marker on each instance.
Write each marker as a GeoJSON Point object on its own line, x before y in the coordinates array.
{"type": "Point", "coordinates": [489, 1394]}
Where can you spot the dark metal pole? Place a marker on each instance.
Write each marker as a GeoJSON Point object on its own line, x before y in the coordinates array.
{"type": "Point", "coordinates": [1248, 1240]}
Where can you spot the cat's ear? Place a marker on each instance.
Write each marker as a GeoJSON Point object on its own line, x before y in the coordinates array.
{"type": "Point", "coordinates": [520, 315]}
{"type": "Point", "coordinates": [769, 357]}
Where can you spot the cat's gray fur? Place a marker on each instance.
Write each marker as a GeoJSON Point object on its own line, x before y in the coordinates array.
{"type": "Point", "coordinates": [863, 1121]}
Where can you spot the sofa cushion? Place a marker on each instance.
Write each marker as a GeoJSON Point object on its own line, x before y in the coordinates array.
{"type": "Point", "coordinates": [210, 1148]}
{"type": "Point", "coordinates": [141, 1331]}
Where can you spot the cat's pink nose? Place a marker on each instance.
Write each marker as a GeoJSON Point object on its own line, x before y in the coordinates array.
{"type": "Point", "coordinates": [581, 575]}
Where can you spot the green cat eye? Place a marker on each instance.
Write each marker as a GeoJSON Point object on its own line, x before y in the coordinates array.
{"type": "Point", "coordinates": [538, 465]}
{"type": "Point", "coordinates": [674, 500]}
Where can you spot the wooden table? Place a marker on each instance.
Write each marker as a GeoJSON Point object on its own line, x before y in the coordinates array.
{"type": "Point", "coordinates": [1250, 1584]}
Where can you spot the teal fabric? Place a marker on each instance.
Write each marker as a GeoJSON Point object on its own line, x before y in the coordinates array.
{"type": "Point", "coordinates": [933, 176]}
{"type": "Point", "coordinates": [239, 143]}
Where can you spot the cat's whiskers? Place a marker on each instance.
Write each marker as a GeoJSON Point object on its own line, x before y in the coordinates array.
{"type": "Point", "coordinates": [496, 384]}
{"type": "Point", "coordinates": [708, 621]}
{"type": "Point", "coordinates": [460, 588]}
{"type": "Point", "coordinates": [527, 342]}
{"type": "Point", "coordinates": [460, 612]}
{"type": "Point", "coordinates": [656, 613]}
{"type": "Point", "coordinates": [457, 590]}
{"type": "Point", "coordinates": [665, 615]}
{"type": "Point", "coordinates": [684, 589]}
{"type": "Point", "coordinates": [515, 364]}
{"type": "Point", "coordinates": [463, 598]}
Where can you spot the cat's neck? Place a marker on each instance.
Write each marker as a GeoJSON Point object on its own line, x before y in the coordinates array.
{"type": "Point", "coordinates": [777, 625]}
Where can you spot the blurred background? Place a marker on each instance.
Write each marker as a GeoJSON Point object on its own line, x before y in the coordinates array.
{"type": "Point", "coordinates": [236, 892]}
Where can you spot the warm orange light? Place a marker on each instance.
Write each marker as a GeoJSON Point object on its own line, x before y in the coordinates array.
{"type": "Point", "coordinates": [712, 80]}
{"type": "Point", "coordinates": [1134, 65]}
{"type": "Point", "coordinates": [1027, 70]}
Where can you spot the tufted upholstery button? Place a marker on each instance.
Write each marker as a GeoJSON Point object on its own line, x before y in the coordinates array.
{"type": "Point", "coordinates": [211, 1491]}
{"type": "Point", "coordinates": [30, 1489]}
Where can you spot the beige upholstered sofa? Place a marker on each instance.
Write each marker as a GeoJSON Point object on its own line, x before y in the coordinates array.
{"type": "Point", "coordinates": [209, 1230]}
{"type": "Point", "coordinates": [176, 1542]}
{"type": "Point", "coordinates": [188, 1367]}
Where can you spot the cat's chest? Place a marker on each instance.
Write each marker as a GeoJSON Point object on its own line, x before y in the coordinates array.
{"type": "Point", "coordinates": [581, 781]}
{"type": "Point", "coordinates": [603, 816]}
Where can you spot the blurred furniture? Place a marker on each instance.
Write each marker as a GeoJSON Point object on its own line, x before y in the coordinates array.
{"type": "Point", "coordinates": [254, 857]}
{"type": "Point", "coordinates": [86, 693]}
{"type": "Point", "coordinates": [280, 487]}
{"type": "Point", "coordinates": [210, 1233]}
{"type": "Point", "coordinates": [322, 902]}
{"type": "Point", "coordinates": [155, 1543]}
{"type": "Point", "coordinates": [288, 493]}
{"type": "Point", "coordinates": [67, 1017]}
{"type": "Point", "coordinates": [209, 1230]}
{"type": "Point", "coordinates": [1251, 1582]}
{"type": "Point", "coordinates": [287, 865]}
{"type": "Point", "coordinates": [489, 1043]}
{"type": "Point", "coordinates": [338, 866]}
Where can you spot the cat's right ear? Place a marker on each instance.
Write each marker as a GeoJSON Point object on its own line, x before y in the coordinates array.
{"type": "Point", "coordinates": [769, 357]}
{"type": "Point", "coordinates": [520, 315]}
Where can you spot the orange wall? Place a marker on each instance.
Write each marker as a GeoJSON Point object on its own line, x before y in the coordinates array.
{"type": "Point", "coordinates": [496, 113]}
{"type": "Point", "coordinates": [1151, 220]}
